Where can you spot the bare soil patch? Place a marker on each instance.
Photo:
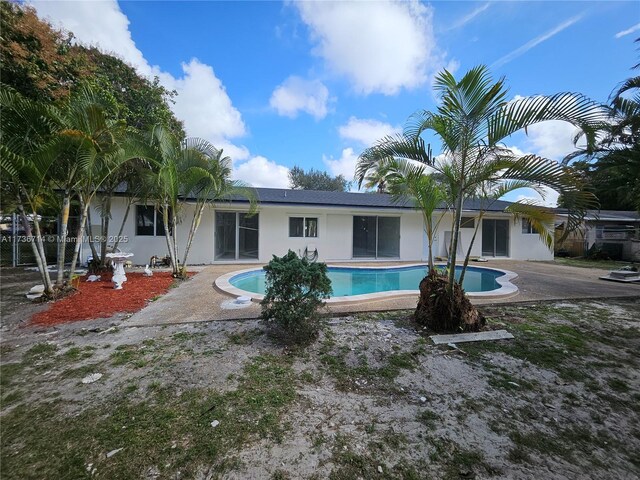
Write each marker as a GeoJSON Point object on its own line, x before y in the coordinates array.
{"type": "Point", "coordinates": [372, 398]}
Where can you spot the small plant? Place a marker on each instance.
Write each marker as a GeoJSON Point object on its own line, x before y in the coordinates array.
{"type": "Point", "coordinates": [295, 289]}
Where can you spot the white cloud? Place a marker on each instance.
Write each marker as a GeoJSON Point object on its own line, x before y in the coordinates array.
{"type": "Point", "coordinates": [299, 95]}
{"type": "Point", "coordinates": [202, 101]}
{"type": "Point", "coordinates": [261, 172]}
{"type": "Point", "coordinates": [345, 165]}
{"type": "Point", "coordinates": [552, 139]}
{"type": "Point", "coordinates": [626, 32]}
{"type": "Point", "coordinates": [381, 47]}
{"type": "Point", "coordinates": [536, 41]}
{"type": "Point", "coordinates": [366, 131]}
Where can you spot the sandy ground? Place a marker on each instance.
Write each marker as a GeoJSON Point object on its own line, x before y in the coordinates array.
{"type": "Point", "coordinates": [373, 398]}
{"type": "Point", "coordinates": [372, 394]}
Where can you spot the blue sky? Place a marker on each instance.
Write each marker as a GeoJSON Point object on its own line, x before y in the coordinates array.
{"type": "Point", "coordinates": [314, 83]}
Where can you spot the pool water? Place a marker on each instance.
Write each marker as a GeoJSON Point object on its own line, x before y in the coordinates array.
{"type": "Point", "coordinates": [358, 281]}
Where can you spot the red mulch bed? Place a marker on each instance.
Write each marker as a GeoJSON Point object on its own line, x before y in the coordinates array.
{"type": "Point", "coordinates": [101, 300]}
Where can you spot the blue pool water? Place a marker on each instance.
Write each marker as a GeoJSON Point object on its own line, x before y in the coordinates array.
{"type": "Point", "coordinates": [358, 281]}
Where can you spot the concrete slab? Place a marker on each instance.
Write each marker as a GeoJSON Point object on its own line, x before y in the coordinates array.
{"type": "Point", "coordinates": [198, 300]}
{"type": "Point", "coordinates": [471, 337]}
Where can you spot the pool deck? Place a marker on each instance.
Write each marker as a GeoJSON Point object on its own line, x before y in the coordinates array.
{"type": "Point", "coordinates": [197, 300]}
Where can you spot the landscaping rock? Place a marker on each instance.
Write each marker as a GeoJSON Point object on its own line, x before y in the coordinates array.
{"type": "Point", "coordinates": [113, 452]}
{"type": "Point", "coordinates": [94, 377]}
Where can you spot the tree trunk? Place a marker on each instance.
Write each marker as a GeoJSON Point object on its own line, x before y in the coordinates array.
{"type": "Point", "coordinates": [62, 237]}
{"type": "Point", "coordinates": [168, 238]}
{"type": "Point", "coordinates": [454, 242]}
{"type": "Point", "coordinates": [124, 221]}
{"type": "Point", "coordinates": [76, 250]}
{"type": "Point", "coordinates": [466, 258]}
{"type": "Point", "coordinates": [92, 245]}
{"type": "Point", "coordinates": [40, 261]}
{"type": "Point", "coordinates": [106, 215]}
{"type": "Point", "coordinates": [174, 243]}
{"type": "Point", "coordinates": [195, 223]}
{"type": "Point", "coordinates": [429, 231]}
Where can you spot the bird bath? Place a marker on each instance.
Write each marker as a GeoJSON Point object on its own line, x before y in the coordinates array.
{"type": "Point", "coordinates": [118, 259]}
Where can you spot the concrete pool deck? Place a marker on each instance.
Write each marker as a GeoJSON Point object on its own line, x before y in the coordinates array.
{"type": "Point", "coordinates": [197, 300]}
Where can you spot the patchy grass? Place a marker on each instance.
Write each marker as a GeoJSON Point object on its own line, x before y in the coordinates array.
{"type": "Point", "coordinates": [586, 263]}
{"type": "Point", "coordinates": [564, 391]}
{"type": "Point", "coordinates": [41, 441]}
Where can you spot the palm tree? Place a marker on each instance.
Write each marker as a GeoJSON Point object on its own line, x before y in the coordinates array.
{"type": "Point", "coordinates": [193, 168]}
{"type": "Point", "coordinates": [472, 121]}
{"type": "Point", "coordinates": [410, 182]}
{"type": "Point", "coordinates": [26, 160]}
{"type": "Point", "coordinates": [100, 146]}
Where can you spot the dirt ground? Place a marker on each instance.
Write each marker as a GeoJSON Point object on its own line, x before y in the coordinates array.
{"type": "Point", "coordinates": [372, 398]}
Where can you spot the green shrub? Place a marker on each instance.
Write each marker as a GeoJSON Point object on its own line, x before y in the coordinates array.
{"type": "Point", "coordinates": [295, 289]}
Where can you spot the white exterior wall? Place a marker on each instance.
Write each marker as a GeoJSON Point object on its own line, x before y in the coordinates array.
{"type": "Point", "coordinates": [334, 241]}
{"type": "Point", "coordinates": [335, 232]}
{"type": "Point", "coordinates": [521, 246]}
{"type": "Point", "coordinates": [144, 247]}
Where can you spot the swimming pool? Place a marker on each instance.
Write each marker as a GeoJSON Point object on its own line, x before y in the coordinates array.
{"type": "Point", "coordinates": [359, 283]}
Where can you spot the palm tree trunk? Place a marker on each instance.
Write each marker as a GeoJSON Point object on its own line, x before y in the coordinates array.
{"type": "Point", "coordinates": [124, 221]}
{"type": "Point", "coordinates": [76, 250]}
{"type": "Point", "coordinates": [454, 242]}
{"type": "Point", "coordinates": [428, 227]}
{"type": "Point", "coordinates": [195, 223]}
{"type": "Point", "coordinates": [106, 215]}
{"type": "Point", "coordinates": [174, 243]}
{"type": "Point", "coordinates": [170, 240]}
{"type": "Point", "coordinates": [41, 262]}
{"type": "Point", "coordinates": [466, 258]}
{"type": "Point", "coordinates": [62, 237]}
{"type": "Point", "coordinates": [92, 245]}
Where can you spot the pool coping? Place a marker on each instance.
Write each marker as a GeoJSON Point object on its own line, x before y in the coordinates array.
{"type": "Point", "coordinates": [507, 289]}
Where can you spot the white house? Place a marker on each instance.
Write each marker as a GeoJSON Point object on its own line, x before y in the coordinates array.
{"type": "Point", "coordinates": [341, 226]}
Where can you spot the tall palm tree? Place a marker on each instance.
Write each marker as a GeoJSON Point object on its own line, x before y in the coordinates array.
{"type": "Point", "coordinates": [409, 182]}
{"type": "Point", "coordinates": [472, 120]}
{"type": "Point", "coordinates": [191, 169]}
{"type": "Point", "coordinates": [100, 146]}
{"type": "Point", "coordinates": [26, 159]}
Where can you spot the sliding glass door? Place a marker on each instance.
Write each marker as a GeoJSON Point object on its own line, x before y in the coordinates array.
{"type": "Point", "coordinates": [495, 238]}
{"type": "Point", "coordinates": [236, 236]}
{"type": "Point", "coordinates": [376, 237]}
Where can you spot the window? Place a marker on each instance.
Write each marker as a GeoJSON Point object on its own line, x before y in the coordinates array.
{"type": "Point", "coordinates": [149, 221]}
{"type": "Point", "coordinates": [467, 222]}
{"type": "Point", "coordinates": [376, 237]}
{"type": "Point", "coordinates": [527, 227]}
{"type": "Point", "coordinates": [303, 227]}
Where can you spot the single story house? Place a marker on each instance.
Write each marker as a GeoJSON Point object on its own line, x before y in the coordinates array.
{"type": "Point", "coordinates": [340, 226]}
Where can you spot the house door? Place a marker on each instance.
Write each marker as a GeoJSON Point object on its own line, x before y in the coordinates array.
{"type": "Point", "coordinates": [495, 238]}
{"type": "Point", "coordinates": [236, 236]}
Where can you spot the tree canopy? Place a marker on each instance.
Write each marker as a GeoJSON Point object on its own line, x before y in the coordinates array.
{"type": "Point", "coordinates": [43, 63]}
{"type": "Point", "coordinates": [316, 180]}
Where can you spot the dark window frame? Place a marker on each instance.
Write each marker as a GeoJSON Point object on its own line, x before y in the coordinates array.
{"type": "Point", "coordinates": [157, 225]}
{"type": "Point", "coordinates": [468, 222]}
{"type": "Point", "coordinates": [304, 227]}
{"type": "Point", "coordinates": [528, 228]}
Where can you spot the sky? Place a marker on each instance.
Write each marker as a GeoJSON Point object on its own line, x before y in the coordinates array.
{"type": "Point", "coordinates": [279, 84]}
